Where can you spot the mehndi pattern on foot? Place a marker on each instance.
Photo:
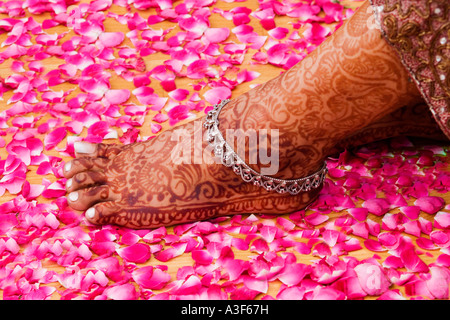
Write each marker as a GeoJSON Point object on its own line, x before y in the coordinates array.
{"type": "Point", "coordinates": [223, 151]}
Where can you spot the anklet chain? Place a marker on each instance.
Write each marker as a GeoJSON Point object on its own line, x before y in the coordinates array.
{"type": "Point", "coordinates": [229, 158]}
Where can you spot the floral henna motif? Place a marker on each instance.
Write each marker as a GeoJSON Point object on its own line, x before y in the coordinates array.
{"type": "Point", "coordinates": [150, 217]}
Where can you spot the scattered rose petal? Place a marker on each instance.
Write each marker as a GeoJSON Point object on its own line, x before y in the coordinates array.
{"type": "Point", "coordinates": [215, 95]}
{"type": "Point", "coordinates": [121, 292]}
{"type": "Point", "coordinates": [377, 206]}
{"type": "Point", "coordinates": [179, 94]}
{"type": "Point", "coordinates": [137, 253]}
{"type": "Point", "coordinates": [117, 96]}
{"type": "Point", "coordinates": [430, 204]}
{"type": "Point", "coordinates": [151, 278]}
{"type": "Point", "coordinates": [372, 278]}
{"type": "Point", "coordinates": [216, 35]}
{"type": "Point", "coordinates": [412, 261]}
{"type": "Point", "coordinates": [111, 39]}
{"type": "Point", "coordinates": [439, 282]}
{"type": "Point", "coordinates": [54, 137]}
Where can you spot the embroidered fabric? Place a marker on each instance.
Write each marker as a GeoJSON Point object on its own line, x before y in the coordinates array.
{"type": "Point", "coordinates": [419, 31]}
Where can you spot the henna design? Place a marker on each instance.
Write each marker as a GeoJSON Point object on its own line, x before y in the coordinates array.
{"type": "Point", "coordinates": [81, 177]}
{"type": "Point", "coordinates": [148, 217]}
{"type": "Point", "coordinates": [109, 150]}
{"type": "Point", "coordinates": [351, 80]}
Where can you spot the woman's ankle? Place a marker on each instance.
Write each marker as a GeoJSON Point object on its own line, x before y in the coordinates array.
{"type": "Point", "coordinates": [261, 133]}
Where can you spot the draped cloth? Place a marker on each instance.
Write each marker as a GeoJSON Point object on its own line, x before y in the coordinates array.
{"type": "Point", "coordinates": [419, 31]}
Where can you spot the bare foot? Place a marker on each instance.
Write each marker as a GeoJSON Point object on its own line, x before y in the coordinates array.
{"type": "Point", "coordinates": [140, 186]}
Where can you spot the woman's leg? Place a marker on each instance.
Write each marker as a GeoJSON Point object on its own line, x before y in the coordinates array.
{"type": "Point", "coordinates": [353, 79]}
{"type": "Point", "coordinates": [413, 121]}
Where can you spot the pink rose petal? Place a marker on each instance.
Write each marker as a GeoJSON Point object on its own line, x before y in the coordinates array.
{"type": "Point", "coordinates": [377, 206]}
{"type": "Point", "coordinates": [440, 238]}
{"type": "Point", "coordinates": [278, 53]}
{"type": "Point", "coordinates": [117, 96]}
{"type": "Point", "coordinates": [202, 257]}
{"type": "Point", "coordinates": [121, 292]}
{"type": "Point", "coordinates": [137, 253]}
{"type": "Point", "coordinates": [178, 113]}
{"type": "Point", "coordinates": [111, 39]}
{"type": "Point", "coordinates": [54, 190]}
{"type": "Point", "coordinates": [412, 212]}
{"type": "Point", "coordinates": [179, 94]}
{"type": "Point", "coordinates": [430, 204]}
{"type": "Point", "coordinates": [373, 245]}
{"type": "Point", "coordinates": [278, 32]}
{"type": "Point", "coordinates": [372, 278]}
{"type": "Point", "coordinates": [442, 220]}
{"type": "Point", "coordinates": [215, 95]}
{"type": "Point", "coordinates": [54, 137]}
{"type": "Point", "coordinates": [216, 35]}
{"type": "Point", "coordinates": [327, 293]}
{"type": "Point", "coordinates": [293, 274]}
{"type": "Point", "coordinates": [291, 293]}
{"type": "Point", "coordinates": [359, 214]}
{"type": "Point", "coordinates": [412, 261]}
{"type": "Point", "coordinates": [392, 295]}
{"type": "Point", "coordinates": [439, 282]}
{"type": "Point", "coordinates": [160, 117]}
{"type": "Point", "coordinates": [198, 69]}
{"type": "Point", "coordinates": [259, 285]}
{"type": "Point", "coordinates": [191, 285]}
{"type": "Point", "coordinates": [316, 218]}
{"type": "Point", "coordinates": [151, 278]}
{"type": "Point", "coordinates": [170, 253]}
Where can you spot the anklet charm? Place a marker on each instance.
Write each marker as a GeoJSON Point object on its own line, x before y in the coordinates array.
{"type": "Point", "coordinates": [229, 158]}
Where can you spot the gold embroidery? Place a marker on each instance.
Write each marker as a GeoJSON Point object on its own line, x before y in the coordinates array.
{"type": "Point", "coordinates": [420, 31]}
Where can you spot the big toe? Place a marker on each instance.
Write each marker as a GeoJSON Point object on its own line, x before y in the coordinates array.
{"type": "Point", "coordinates": [103, 212]}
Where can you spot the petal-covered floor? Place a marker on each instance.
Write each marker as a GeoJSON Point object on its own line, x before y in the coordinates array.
{"type": "Point", "coordinates": [123, 71]}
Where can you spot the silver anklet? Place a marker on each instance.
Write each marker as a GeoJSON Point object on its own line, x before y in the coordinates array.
{"type": "Point", "coordinates": [229, 158]}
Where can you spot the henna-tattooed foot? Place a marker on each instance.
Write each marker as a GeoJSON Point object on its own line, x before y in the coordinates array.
{"type": "Point", "coordinates": [352, 80]}
{"type": "Point", "coordinates": [141, 185]}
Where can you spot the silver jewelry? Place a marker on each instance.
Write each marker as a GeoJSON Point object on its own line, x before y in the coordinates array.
{"type": "Point", "coordinates": [229, 158]}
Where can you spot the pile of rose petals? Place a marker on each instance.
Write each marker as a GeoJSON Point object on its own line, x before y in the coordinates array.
{"type": "Point", "coordinates": [372, 232]}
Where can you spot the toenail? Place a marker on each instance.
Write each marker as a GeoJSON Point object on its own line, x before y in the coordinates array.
{"type": "Point", "coordinates": [83, 147]}
{"type": "Point", "coordinates": [73, 196]}
{"type": "Point", "coordinates": [90, 213]}
{"type": "Point", "coordinates": [68, 183]}
{"type": "Point", "coordinates": [68, 166]}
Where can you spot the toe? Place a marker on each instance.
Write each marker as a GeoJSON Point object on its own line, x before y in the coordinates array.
{"type": "Point", "coordinates": [85, 179]}
{"type": "Point", "coordinates": [94, 150]}
{"type": "Point", "coordinates": [84, 198]}
{"type": "Point", "coordinates": [82, 164]}
{"type": "Point", "coordinates": [103, 212]}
